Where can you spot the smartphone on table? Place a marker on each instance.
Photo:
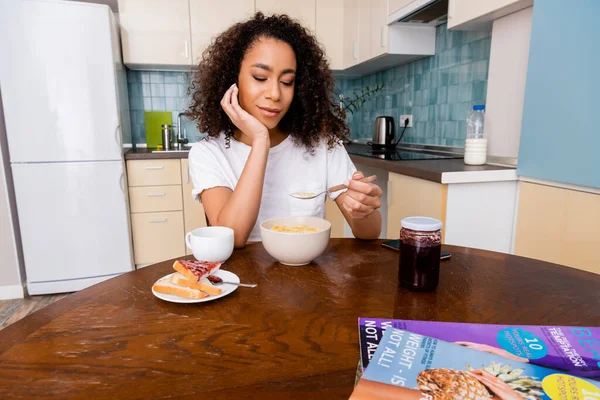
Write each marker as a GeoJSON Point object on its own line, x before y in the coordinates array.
{"type": "Point", "coordinates": [395, 245]}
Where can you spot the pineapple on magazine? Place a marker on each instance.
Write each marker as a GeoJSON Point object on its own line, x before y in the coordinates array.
{"type": "Point", "coordinates": [410, 366]}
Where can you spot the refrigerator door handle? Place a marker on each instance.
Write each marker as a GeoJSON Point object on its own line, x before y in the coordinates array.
{"type": "Point", "coordinates": [156, 167]}
{"type": "Point", "coordinates": [157, 220]}
{"type": "Point", "coordinates": [122, 183]}
{"type": "Point", "coordinates": [118, 135]}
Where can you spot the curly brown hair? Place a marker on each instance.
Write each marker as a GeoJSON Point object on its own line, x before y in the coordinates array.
{"type": "Point", "coordinates": [312, 114]}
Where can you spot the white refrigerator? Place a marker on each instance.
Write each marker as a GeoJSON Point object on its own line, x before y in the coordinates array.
{"type": "Point", "coordinates": [65, 101]}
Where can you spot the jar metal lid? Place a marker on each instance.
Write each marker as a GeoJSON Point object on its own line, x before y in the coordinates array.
{"type": "Point", "coordinates": [425, 224]}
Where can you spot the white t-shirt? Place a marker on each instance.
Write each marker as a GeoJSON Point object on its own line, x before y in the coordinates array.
{"type": "Point", "coordinates": [290, 168]}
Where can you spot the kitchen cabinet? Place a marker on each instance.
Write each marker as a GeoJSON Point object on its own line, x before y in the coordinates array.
{"type": "Point", "coordinates": [304, 11]}
{"type": "Point", "coordinates": [479, 15]}
{"type": "Point", "coordinates": [379, 28]}
{"type": "Point", "coordinates": [208, 20]}
{"type": "Point", "coordinates": [371, 45]}
{"type": "Point", "coordinates": [558, 225]}
{"type": "Point", "coordinates": [157, 236]}
{"type": "Point", "coordinates": [155, 33]}
{"type": "Point", "coordinates": [336, 218]}
{"type": "Point", "coordinates": [350, 43]}
{"type": "Point", "coordinates": [395, 5]}
{"type": "Point", "coordinates": [162, 209]}
{"type": "Point", "coordinates": [193, 211]}
{"type": "Point", "coordinates": [364, 30]}
{"type": "Point", "coordinates": [408, 196]}
{"type": "Point", "coordinates": [330, 33]}
{"type": "Point", "coordinates": [153, 172]}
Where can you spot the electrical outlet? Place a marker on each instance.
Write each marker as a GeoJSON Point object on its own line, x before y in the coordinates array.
{"type": "Point", "coordinates": [403, 118]}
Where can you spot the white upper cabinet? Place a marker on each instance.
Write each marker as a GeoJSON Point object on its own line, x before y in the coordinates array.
{"type": "Point", "coordinates": [364, 30]}
{"type": "Point", "coordinates": [304, 11]}
{"type": "Point", "coordinates": [350, 42]}
{"type": "Point", "coordinates": [371, 45]}
{"type": "Point", "coordinates": [330, 33]}
{"type": "Point", "coordinates": [479, 15]}
{"type": "Point", "coordinates": [379, 28]}
{"type": "Point", "coordinates": [208, 19]}
{"type": "Point", "coordinates": [395, 5]}
{"type": "Point", "coordinates": [155, 33]}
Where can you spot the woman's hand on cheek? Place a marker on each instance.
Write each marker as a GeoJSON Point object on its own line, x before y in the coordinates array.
{"type": "Point", "coordinates": [245, 122]}
{"type": "Point", "coordinates": [362, 198]}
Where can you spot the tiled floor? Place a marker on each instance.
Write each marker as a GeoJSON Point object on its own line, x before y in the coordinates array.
{"type": "Point", "coordinates": [13, 310]}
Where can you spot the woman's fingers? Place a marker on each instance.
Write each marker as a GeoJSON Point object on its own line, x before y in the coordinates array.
{"type": "Point", "coordinates": [235, 102]}
{"type": "Point", "coordinates": [226, 104]}
{"type": "Point", "coordinates": [355, 214]}
{"type": "Point", "coordinates": [369, 201]}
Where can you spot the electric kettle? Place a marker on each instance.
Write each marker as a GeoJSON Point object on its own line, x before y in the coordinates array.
{"type": "Point", "coordinates": [383, 135]}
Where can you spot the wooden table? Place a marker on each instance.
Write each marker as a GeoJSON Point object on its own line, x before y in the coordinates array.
{"type": "Point", "coordinates": [293, 337]}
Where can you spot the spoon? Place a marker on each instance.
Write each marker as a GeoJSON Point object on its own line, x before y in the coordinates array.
{"type": "Point", "coordinates": [312, 195]}
{"type": "Point", "coordinates": [218, 281]}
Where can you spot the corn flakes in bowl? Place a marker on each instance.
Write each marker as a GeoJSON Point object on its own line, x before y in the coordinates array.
{"type": "Point", "coordinates": [295, 240]}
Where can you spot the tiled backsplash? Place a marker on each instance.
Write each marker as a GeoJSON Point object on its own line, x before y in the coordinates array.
{"type": "Point", "coordinates": [157, 91]}
{"type": "Point", "coordinates": [439, 91]}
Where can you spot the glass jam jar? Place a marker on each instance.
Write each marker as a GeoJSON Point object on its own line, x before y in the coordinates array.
{"type": "Point", "coordinates": [420, 248]}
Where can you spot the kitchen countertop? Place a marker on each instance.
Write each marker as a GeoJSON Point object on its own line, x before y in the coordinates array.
{"type": "Point", "coordinates": [443, 171]}
{"type": "Point", "coordinates": [147, 154]}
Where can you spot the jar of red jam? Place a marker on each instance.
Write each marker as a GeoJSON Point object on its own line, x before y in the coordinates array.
{"type": "Point", "coordinates": [420, 248]}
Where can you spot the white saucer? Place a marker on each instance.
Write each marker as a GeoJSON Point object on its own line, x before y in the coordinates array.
{"type": "Point", "coordinates": [226, 289]}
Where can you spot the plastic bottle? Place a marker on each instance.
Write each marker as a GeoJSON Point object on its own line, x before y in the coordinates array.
{"type": "Point", "coordinates": [476, 143]}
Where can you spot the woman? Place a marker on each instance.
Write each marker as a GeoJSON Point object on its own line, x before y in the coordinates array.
{"type": "Point", "coordinates": [263, 94]}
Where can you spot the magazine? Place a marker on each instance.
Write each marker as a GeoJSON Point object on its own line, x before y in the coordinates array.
{"type": "Point", "coordinates": [575, 350]}
{"type": "Point", "coordinates": [407, 365]}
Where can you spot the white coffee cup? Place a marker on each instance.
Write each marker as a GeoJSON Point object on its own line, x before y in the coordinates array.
{"type": "Point", "coordinates": [211, 243]}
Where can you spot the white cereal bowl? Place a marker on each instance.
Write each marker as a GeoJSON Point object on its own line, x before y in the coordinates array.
{"type": "Point", "coordinates": [295, 249]}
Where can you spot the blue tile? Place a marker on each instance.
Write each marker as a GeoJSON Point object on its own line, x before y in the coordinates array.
{"type": "Point", "coordinates": [480, 70]}
{"type": "Point", "coordinates": [158, 104]}
{"type": "Point", "coordinates": [466, 54]}
{"type": "Point", "coordinates": [147, 104]}
{"type": "Point", "coordinates": [443, 111]}
{"type": "Point", "coordinates": [136, 103]}
{"type": "Point", "coordinates": [145, 77]}
{"type": "Point", "coordinates": [432, 114]}
{"type": "Point", "coordinates": [443, 73]}
{"type": "Point", "coordinates": [131, 76]}
{"type": "Point", "coordinates": [171, 90]}
{"type": "Point", "coordinates": [452, 94]}
{"type": "Point", "coordinates": [453, 75]}
{"type": "Point", "coordinates": [465, 92]}
{"type": "Point", "coordinates": [435, 78]}
{"type": "Point", "coordinates": [432, 93]}
{"type": "Point", "coordinates": [417, 79]}
{"type": "Point", "coordinates": [442, 94]}
{"type": "Point", "coordinates": [171, 103]}
{"type": "Point", "coordinates": [135, 90]}
{"type": "Point", "coordinates": [479, 91]}
{"type": "Point", "coordinates": [170, 77]}
{"type": "Point", "coordinates": [157, 89]}
{"type": "Point", "coordinates": [157, 77]}
{"type": "Point", "coordinates": [426, 80]}
{"type": "Point", "coordinates": [465, 73]}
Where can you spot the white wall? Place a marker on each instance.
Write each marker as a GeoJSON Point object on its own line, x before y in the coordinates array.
{"type": "Point", "coordinates": [506, 82]}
